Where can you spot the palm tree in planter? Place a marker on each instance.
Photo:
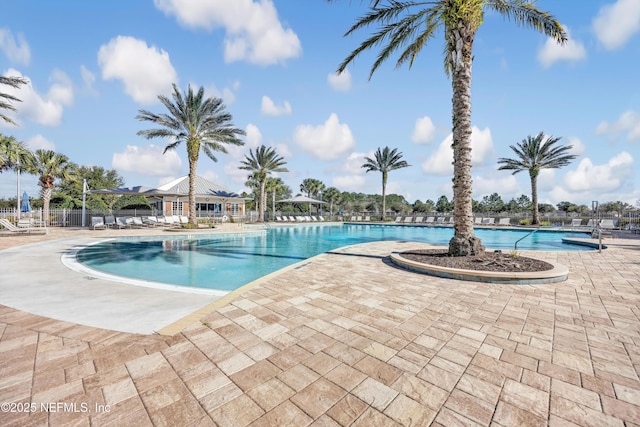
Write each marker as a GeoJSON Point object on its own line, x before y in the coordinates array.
{"type": "Point", "coordinates": [201, 123]}
{"type": "Point", "coordinates": [384, 162]}
{"type": "Point", "coordinates": [408, 26]}
{"type": "Point", "coordinates": [49, 166]}
{"type": "Point", "coordinates": [534, 154]}
{"type": "Point", "coordinates": [263, 162]}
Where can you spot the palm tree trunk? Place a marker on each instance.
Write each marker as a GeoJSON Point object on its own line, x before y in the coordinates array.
{"type": "Point", "coordinates": [46, 199]}
{"type": "Point", "coordinates": [534, 199]}
{"type": "Point", "coordinates": [262, 204]}
{"type": "Point", "coordinates": [384, 194]}
{"type": "Point", "coordinates": [192, 192]}
{"type": "Point", "coordinates": [460, 39]}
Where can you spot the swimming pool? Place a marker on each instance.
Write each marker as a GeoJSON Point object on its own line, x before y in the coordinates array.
{"type": "Point", "coordinates": [226, 262]}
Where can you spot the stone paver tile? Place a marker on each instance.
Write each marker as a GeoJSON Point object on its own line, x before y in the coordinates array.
{"type": "Point", "coordinates": [560, 372]}
{"type": "Point", "coordinates": [224, 394]}
{"type": "Point", "coordinates": [479, 388]}
{"type": "Point", "coordinates": [525, 397]}
{"type": "Point", "coordinates": [116, 393]}
{"type": "Point", "coordinates": [582, 415]}
{"type": "Point", "coordinates": [255, 374]}
{"type": "Point", "coordinates": [238, 412]}
{"type": "Point", "coordinates": [576, 394]}
{"type": "Point", "coordinates": [270, 394]}
{"type": "Point", "coordinates": [324, 421]}
{"type": "Point", "coordinates": [345, 376]}
{"type": "Point", "coordinates": [298, 377]}
{"type": "Point", "coordinates": [289, 357]}
{"type": "Point", "coordinates": [490, 350]}
{"type": "Point", "coordinates": [439, 377]}
{"type": "Point", "coordinates": [347, 410]}
{"type": "Point", "coordinates": [316, 342]}
{"type": "Point", "coordinates": [520, 360]}
{"type": "Point", "coordinates": [373, 418]}
{"type": "Point", "coordinates": [375, 393]}
{"type": "Point", "coordinates": [321, 363]}
{"type": "Point", "coordinates": [573, 361]}
{"type": "Point", "coordinates": [628, 394]}
{"type": "Point", "coordinates": [379, 351]}
{"type": "Point", "coordinates": [60, 393]}
{"type": "Point", "coordinates": [285, 414]}
{"type": "Point", "coordinates": [150, 371]}
{"type": "Point", "coordinates": [378, 370]}
{"type": "Point", "coordinates": [448, 418]}
{"type": "Point", "coordinates": [621, 409]}
{"type": "Point", "coordinates": [344, 353]}
{"type": "Point", "coordinates": [556, 421]}
{"type": "Point", "coordinates": [183, 412]}
{"type": "Point", "coordinates": [128, 412]}
{"type": "Point", "coordinates": [509, 415]}
{"type": "Point", "coordinates": [260, 351]}
{"type": "Point", "coordinates": [235, 363]}
{"type": "Point", "coordinates": [164, 395]}
{"type": "Point", "coordinates": [470, 407]}
{"type": "Point", "coordinates": [208, 381]}
{"type": "Point", "coordinates": [421, 391]}
{"type": "Point", "coordinates": [318, 397]}
{"type": "Point", "coordinates": [408, 412]}
{"type": "Point", "coordinates": [536, 380]}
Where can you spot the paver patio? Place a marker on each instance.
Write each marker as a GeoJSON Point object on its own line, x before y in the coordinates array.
{"type": "Point", "coordinates": [349, 339]}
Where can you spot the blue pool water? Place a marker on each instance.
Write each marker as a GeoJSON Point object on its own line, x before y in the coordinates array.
{"type": "Point", "coordinates": [228, 262]}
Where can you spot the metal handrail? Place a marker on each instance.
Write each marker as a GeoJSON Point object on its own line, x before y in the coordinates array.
{"type": "Point", "coordinates": [515, 246]}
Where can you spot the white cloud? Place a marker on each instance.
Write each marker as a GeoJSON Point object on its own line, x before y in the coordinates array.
{"type": "Point", "coordinates": [271, 109]}
{"type": "Point", "coordinates": [283, 150]}
{"type": "Point", "coordinates": [326, 141]}
{"type": "Point", "coordinates": [232, 170]}
{"type": "Point", "coordinates": [210, 175]}
{"type": "Point", "coordinates": [227, 94]}
{"type": "Point", "coordinates": [253, 31]}
{"type": "Point", "coordinates": [629, 122]}
{"type": "Point", "coordinates": [89, 79]}
{"type": "Point", "coordinates": [424, 131]}
{"type": "Point", "coordinates": [253, 139]}
{"type": "Point", "coordinates": [147, 161]}
{"type": "Point", "coordinates": [616, 23]}
{"type": "Point", "coordinates": [340, 82]}
{"type": "Point", "coordinates": [44, 109]}
{"type": "Point", "coordinates": [553, 52]}
{"type": "Point", "coordinates": [353, 163]}
{"type": "Point", "coordinates": [348, 182]}
{"type": "Point", "coordinates": [578, 148]}
{"type": "Point", "coordinates": [17, 52]}
{"type": "Point", "coordinates": [40, 142]}
{"type": "Point", "coordinates": [145, 71]}
{"type": "Point", "coordinates": [605, 177]}
{"type": "Point", "coordinates": [507, 186]}
{"type": "Point", "coordinates": [441, 162]}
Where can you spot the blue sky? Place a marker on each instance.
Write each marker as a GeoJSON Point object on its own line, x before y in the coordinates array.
{"type": "Point", "coordinates": [93, 65]}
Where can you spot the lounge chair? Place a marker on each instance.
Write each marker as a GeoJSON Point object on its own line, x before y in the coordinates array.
{"type": "Point", "coordinates": [450, 221]}
{"type": "Point", "coordinates": [110, 221]}
{"type": "Point", "coordinates": [98, 222]}
{"type": "Point", "coordinates": [359, 218]}
{"type": "Point", "coordinates": [184, 219]}
{"type": "Point", "coordinates": [408, 219]}
{"type": "Point", "coordinates": [419, 219]}
{"type": "Point", "coordinates": [322, 218]}
{"type": "Point", "coordinates": [121, 222]}
{"type": "Point", "coordinates": [9, 226]}
{"type": "Point", "coordinates": [367, 219]}
{"type": "Point", "coordinates": [608, 224]}
{"type": "Point", "coordinates": [398, 219]}
{"type": "Point", "coordinates": [353, 219]}
{"type": "Point", "coordinates": [591, 223]}
{"type": "Point", "coordinates": [430, 220]}
{"type": "Point", "coordinates": [314, 219]}
{"type": "Point", "coordinates": [504, 221]}
{"type": "Point", "coordinates": [440, 220]}
{"type": "Point", "coordinates": [136, 221]}
{"type": "Point", "coordinates": [291, 219]}
{"type": "Point", "coordinates": [488, 221]}
{"type": "Point", "coordinates": [150, 221]}
{"type": "Point", "coordinates": [477, 220]}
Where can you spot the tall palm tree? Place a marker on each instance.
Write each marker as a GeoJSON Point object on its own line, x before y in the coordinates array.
{"type": "Point", "coordinates": [384, 162]}
{"type": "Point", "coordinates": [263, 162]}
{"type": "Point", "coordinates": [49, 166]}
{"type": "Point", "coordinates": [202, 124]}
{"type": "Point", "coordinates": [332, 196]}
{"type": "Point", "coordinates": [276, 186]}
{"type": "Point", "coordinates": [14, 155]}
{"type": "Point", "coordinates": [312, 187]}
{"type": "Point", "coordinates": [534, 154]}
{"type": "Point", "coordinates": [6, 99]}
{"type": "Point", "coordinates": [408, 26]}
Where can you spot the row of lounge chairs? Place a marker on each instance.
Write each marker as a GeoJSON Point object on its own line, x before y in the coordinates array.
{"type": "Point", "coordinates": [449, 220]}
{"type": "Point", "coordinates": [110, 221]}
{"type": "Point", "coordinates": [306, 218]}
{"type": "Point", "coordinates": [605, 224]}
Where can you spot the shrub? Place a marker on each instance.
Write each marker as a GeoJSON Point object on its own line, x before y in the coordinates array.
{"type": "Point", "coordinates": [545, 223]}
{"type": "Point", "coordinates": [525, 222]}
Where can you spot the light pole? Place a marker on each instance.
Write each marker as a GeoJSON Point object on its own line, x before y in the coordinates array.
{"type": "Point", "coordinates": [18, 194]}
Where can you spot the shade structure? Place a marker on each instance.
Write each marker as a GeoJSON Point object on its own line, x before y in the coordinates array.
{"type": "Point", "coordinates": [26, 205]}
{"type": "Point", "coordinates": [302, 199]}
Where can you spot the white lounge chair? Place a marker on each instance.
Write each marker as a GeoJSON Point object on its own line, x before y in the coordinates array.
{"type": "Point", "coordinates": [430, 220]}
{"type": "Point", "coordinates": [121, 222]}
{"type": "Point", "coordinates": [184, 219]}
{"type": "Point", "coordinates": [359, 218]}
{"type": "Point", "coordinates": [477, 220]}
{"type": "Point", "coordinates": [98, 222]}
{"type": "Point", "coordinates": [576, 222]}
{"type": "Point", "coordinates": [440, 220]}
{"type": "Point", "coordinates": [408, 219]}
{"type": "Point", "coordinates": [398, 219]}
{"type": "Point", "coordinates": [151, 221]}
{"type": "Point", "coordinates": [419, 219]}
{"type": "Point", "coordinates": [488, 221]}
{"type": "Point", "coordinates": [367, 219]}
{"type": "Point", "coordinates": [591, 223]}
{"type": "Point", "coordinates": [9, 226]}
{"type": "Point", "coordinates": [504, 221]}
{"type": "Point", "coordinates": [314, 219]}
{"type": "Point", "coordinates": [322, 218]}
{"type": "Point", "coordinates": [608, 224]}
{"type": "Point", "coordinates": [136, 221]}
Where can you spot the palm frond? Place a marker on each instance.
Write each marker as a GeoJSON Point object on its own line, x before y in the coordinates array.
{"type": "Point", "coordinates": [526, 13]}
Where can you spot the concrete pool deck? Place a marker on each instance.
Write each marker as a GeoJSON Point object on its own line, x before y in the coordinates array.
{"type": "Point", "coordinates": [343, 339]}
